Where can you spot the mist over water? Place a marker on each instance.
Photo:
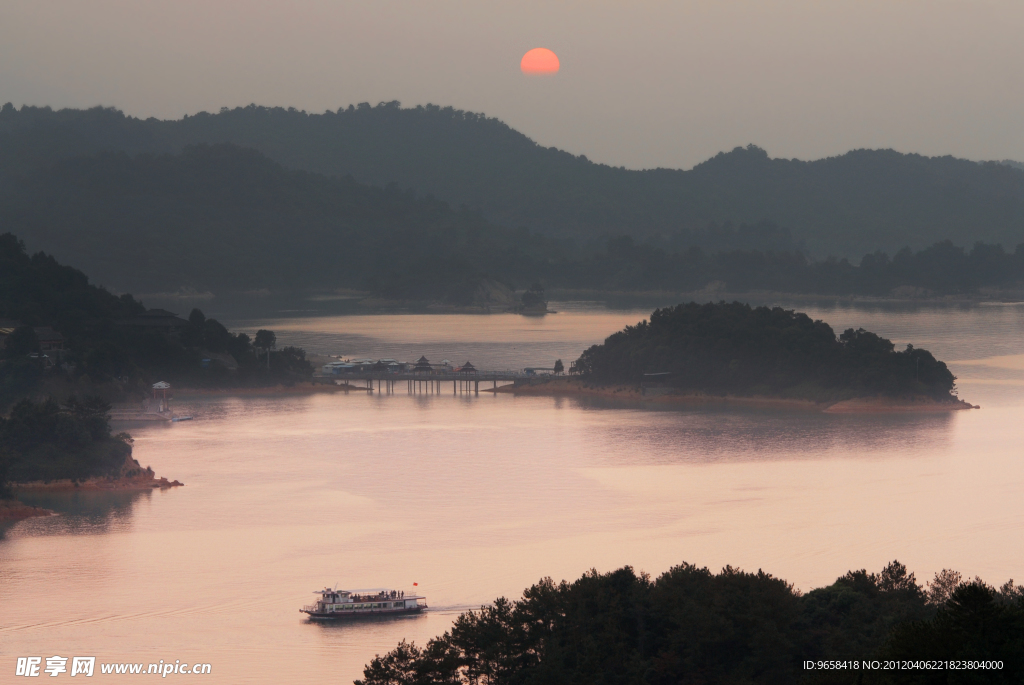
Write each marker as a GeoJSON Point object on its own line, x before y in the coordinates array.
{"type": "Point", "coordinates": [474, 497]}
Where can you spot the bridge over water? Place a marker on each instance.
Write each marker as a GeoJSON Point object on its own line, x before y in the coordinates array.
{"type": "Point", "coordinates": [429, 383]}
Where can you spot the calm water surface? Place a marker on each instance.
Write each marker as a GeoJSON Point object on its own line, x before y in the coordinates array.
{"type": "Point", "coordinates": [476, 497]}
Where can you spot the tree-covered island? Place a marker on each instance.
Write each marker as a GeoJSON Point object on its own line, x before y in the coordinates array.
{"type": "Point", "coordinates": [733, 349]}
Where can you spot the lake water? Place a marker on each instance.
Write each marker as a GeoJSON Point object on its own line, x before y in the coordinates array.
{"type": "Point", "coordinates": [473, 497]}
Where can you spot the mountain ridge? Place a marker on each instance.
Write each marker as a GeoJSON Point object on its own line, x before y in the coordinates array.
{"type": "Point", "coordinates": [846, 205]}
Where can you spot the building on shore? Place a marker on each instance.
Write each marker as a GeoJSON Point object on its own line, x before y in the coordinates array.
{"type": "Point", "coordinates": [50, 341]}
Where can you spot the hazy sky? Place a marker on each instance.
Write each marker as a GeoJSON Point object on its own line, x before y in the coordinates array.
{"type": "Point", "coordinates": [642, 83]}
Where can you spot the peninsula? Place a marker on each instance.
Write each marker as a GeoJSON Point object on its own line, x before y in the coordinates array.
{"type": "Point", "coordinates": [61, 335]}
{"type": "Point", "coordinates": [735, 353]}
{"type": "Point", "coordinates": [65, 446]}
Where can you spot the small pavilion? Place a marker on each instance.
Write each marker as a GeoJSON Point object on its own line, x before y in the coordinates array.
{"type": "Point", "coordinates": [163, 386]}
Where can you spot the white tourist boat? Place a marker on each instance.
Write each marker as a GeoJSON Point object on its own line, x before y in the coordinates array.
{"type": "Point", "coordinates": [334, 603]}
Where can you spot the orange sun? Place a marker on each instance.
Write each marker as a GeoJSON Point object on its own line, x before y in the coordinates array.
{"type": "Point", "coordinates": [539, 61]}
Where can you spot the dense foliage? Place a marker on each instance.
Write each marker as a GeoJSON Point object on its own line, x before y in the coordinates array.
{"type": "Point", "coordinates": [226, 218]}
{"type": "Point", "coordinates": [50, 440]}
{"type": "Point", "coordinates": [734, 348]}
{"type": "Point", "coordinates": [862, 201]}
{"type": "Point", "coordinates": [100, 348]}
{"type": "Point", "coordinates": [223, 218]}
{"type": "Point", "coordinates": [693, 626]}
{"type": "Point", "coordinates": [942, 269]}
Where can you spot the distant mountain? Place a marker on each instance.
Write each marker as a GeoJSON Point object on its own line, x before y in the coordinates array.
{"type": "Point", "coordinates": [862, 201]}
{"type": "Point", "coordinates": [227, 218]}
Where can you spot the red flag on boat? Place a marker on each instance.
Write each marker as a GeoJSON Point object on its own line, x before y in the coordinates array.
{"type": "Point", "coordinates": [415, 583]}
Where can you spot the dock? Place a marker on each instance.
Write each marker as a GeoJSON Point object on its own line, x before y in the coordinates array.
{"type": "Point", "coordinates": [433, 383]}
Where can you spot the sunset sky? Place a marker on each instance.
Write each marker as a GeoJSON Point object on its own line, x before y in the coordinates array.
{"type": "Point", "coordinates": [641, 84]}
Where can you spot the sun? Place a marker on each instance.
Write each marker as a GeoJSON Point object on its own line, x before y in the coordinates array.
{"type": "Point", "coordinates": [539, 61]}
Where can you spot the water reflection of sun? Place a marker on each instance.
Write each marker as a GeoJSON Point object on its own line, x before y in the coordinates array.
{"type": "Point", "coordinates": [539, 61]}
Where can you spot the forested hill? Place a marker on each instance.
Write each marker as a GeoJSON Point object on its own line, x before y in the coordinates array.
{"type": "Point", "coordinates": [690, 626]}
{"type": "Point", "coordinates": [862, 201]}
{"type": "Point", "coordinates": [226, 218]}
{"type": "Point", "coordinates": [109, 345]}
{"type": "Point", "coordinates": [221, 218]}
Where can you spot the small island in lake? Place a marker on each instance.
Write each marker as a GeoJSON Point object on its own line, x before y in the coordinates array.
{"type": "Point", "coordinates": [735, 352]}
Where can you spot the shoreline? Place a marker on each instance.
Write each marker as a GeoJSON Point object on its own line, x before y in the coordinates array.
{"type": "Point", "coordinates": [134, 412]}
{"type": "Point", "coordinates": [304, 388]}
{"type": "Point", "coordinates": [571, 294]}
{"type": "Point", "coordinates": [131, 476]}
{"type": "Point", "coordinates": [14, 510]}
{"type": "Point", "coordinates": [565, 387]}
{"type": "Point", "coordinates": [571, 387]}
{"type": "Point", "coordinates": [140, 482]}
{"type": "Point", "coordinates": [368, 304]}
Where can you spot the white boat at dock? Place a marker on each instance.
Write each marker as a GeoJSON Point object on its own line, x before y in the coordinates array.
{"type": "Point", "coordinates": [335, 604]}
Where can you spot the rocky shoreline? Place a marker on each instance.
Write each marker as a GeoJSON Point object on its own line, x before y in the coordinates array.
{"type": "Point", "coordinates": [144, 481]}
{"type": "Point", "coordinates": [131, 476]}
{"type": "Point", "coordinates": [571, 387]}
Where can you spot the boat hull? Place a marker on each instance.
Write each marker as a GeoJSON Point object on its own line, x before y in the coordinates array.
{"type": "Point", "coordinates": [347, 615]}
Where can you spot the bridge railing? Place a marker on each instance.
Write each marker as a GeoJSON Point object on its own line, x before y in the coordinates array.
{"type": "Point", "coordinates": [407, 376]}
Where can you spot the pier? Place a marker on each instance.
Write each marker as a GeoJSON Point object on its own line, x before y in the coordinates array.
{"type": "Point", "coordinates": [434, 383]}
